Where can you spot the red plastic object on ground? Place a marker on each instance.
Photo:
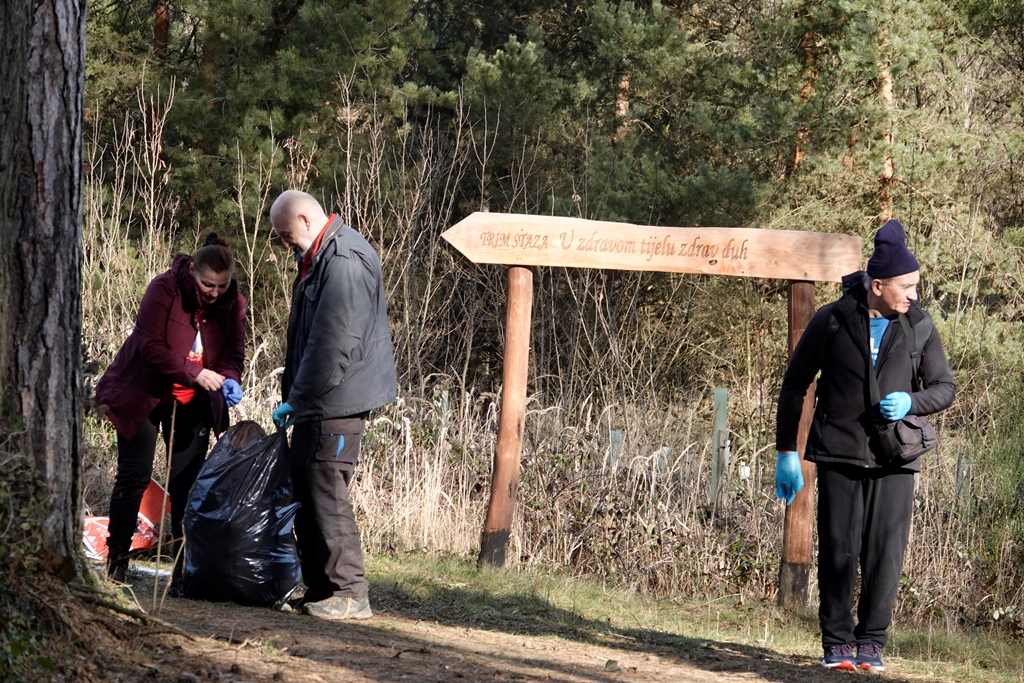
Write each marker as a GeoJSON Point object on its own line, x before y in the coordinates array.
{"type": "Point", "coordinates": [94, 534]}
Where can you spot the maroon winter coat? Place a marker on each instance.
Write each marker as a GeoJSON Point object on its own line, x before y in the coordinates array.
{"type": "Point", "coordinates": [155, 355]}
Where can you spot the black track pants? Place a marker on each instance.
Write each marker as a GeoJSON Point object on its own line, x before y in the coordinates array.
{"type": "Point", "coordinates": [135, 466]}
{"type": "Point", "coordinates": [863, 519]}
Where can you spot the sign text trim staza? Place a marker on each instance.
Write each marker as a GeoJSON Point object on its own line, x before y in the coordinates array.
{"type": "Point", "coordinates": [515, 239]}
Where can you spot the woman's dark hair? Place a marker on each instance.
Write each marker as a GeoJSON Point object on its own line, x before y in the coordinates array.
{"type": "Point", "coordinates": [214, 255]}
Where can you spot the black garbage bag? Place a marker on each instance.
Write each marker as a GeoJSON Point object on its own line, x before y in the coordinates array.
{"type": "Point", "coordinates": [239, 545]}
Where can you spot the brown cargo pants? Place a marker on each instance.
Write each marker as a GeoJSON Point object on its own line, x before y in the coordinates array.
{"type": "Point", "coordinates": [323, 456]}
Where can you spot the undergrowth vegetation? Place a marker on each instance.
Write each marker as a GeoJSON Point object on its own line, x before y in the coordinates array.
{"type": "Point", "coordinates": [26, 649]}
{"type": "Point", "coordinates": [47, 632]}
{"type": "Point", "coordinates": [657, 115]}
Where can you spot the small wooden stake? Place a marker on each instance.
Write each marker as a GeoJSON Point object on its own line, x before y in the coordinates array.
{"type": "Point", "coordinates": [505, 476]}
{"type": "Point", "coordinates": [720, 435]}
{"type": "Point", "coordinates": [797, 535]}
{"type": "Point", "coordinates": [163, 507]}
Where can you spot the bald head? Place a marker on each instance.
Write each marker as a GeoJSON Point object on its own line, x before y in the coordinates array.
{"type": "Point", "coordinates": [297, 218]}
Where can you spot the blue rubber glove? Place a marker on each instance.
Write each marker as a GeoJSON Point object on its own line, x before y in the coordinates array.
{"type": "Point", "coordinates": [895, 406]}
{"type": "Point", "coordinates": [284, 416]}
{"type": "Point", "coordinates": [232, 392]}
{"type": "Point", "coordinates": [788, 477]}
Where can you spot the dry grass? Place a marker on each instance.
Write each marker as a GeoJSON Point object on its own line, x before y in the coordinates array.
{"type": "Point", "coordinates": [633, 352]}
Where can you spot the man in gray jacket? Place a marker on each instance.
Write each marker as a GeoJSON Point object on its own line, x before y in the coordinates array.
{"type": "Point", "coordinates": [340, 365]}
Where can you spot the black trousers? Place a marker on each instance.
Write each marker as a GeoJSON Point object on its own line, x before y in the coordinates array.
{"type": "Point", "coordinates": [135, 466]}
{"type": "Point", "coordinates": [323, 457]}
{"type": "Point", "coordinates": [863, 519]}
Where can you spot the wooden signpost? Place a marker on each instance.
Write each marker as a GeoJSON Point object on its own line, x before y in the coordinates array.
{"type": "Point", "coordinates": [517, 240]}
{"type": "Point", "coordinates": [520, 241]}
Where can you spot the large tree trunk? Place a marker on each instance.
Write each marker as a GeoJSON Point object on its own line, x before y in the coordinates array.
{"type": "Point", "coordinates": [42, 77]}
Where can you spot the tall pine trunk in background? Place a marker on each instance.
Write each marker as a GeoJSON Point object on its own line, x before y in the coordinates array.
{"type": "Point", "coordinates": [886, 177]}
{"type": "Point", "coordinates": [42, 78]}
{"type": "Point", "coordinates": [161, 28]}
{"type": "Point", "coordinates": [806, 51]}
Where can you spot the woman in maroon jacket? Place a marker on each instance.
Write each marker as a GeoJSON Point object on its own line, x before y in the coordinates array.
{"type": "Point", "coordinates": [184, 358]}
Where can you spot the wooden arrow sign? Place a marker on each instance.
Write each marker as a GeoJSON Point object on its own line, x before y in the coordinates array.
{"type": "Point", "coordinates": [516, 239]}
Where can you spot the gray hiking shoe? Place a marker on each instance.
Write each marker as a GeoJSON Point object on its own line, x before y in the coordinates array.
{"type": "Point", "coordinates": [337, 608]}
{"type": "Point", "coordinates": [839, 657]}
{"type": "Point", "coordinates": [869, 656]}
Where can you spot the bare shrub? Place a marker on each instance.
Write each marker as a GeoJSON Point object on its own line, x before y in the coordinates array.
{"type": "Point", "coordinates": [636, 353]}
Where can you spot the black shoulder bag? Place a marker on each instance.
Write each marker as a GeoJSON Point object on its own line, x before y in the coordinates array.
{"type": "Point", "coordinates": [901, 442]}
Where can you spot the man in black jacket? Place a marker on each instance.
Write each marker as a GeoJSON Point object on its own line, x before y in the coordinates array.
{"type": "Point", "coordinates": [864, 499]}
{"type": "Point", "coordinates": [339, 366]}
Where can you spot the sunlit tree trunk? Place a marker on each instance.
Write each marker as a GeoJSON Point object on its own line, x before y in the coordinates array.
{"type": "Point", "coordinates": [806, 51]}
{"type": "Point", "coordinates": [885, 179]}
{"type": "Point", "coordinates": [41, 99]}
{"type": "Point", "coordinates": [161, 28]}
{"type": "Point", "coordinates": [622, 107]}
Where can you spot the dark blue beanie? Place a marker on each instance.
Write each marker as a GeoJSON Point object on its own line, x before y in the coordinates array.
{"type": "Point", "coordinates": [891, 256]}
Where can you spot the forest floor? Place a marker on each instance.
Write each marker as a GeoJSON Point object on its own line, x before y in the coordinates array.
{"type": "Point", "coordinates": [442, 621]}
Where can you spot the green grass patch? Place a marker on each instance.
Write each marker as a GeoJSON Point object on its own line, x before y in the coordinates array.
{"type": "Point", "coordinates": [963, 655]}
{"type": "Point", "coordinates": [550, 603]}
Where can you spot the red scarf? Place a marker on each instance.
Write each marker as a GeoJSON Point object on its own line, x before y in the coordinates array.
{"type": "Point", "coordinates": [307, 258]}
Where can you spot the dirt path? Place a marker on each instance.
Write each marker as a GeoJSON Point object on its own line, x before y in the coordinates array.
{"type": "Point", "coordinates": [240, 644]}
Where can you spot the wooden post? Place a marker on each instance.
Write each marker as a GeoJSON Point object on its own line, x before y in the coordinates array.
{"type": "Point", "coordinates": [505, 475]}
{"type": "Point", "coordinates": [797, 537]}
